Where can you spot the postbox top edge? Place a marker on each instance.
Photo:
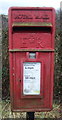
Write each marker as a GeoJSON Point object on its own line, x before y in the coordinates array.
{"type": "Point", "coordinates": [31, 8]}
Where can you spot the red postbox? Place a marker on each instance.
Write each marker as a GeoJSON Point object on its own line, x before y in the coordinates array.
{"type": "Point", "coordinates": [31, 58]}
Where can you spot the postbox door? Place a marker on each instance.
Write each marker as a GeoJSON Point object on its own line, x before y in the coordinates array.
{"type": "Point", "coordinates": [42, 66]}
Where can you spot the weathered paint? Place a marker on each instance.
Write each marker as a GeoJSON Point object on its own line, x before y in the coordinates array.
{"type": "Point", "coordinates": [31, 30]}
{"type": "Point", "coordinates": [46, 24]}
{"type": "Point", "coordinates": [25, 50]}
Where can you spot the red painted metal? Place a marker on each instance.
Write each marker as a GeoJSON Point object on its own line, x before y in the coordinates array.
{"type": "Point", "coordinates": [31, 30]}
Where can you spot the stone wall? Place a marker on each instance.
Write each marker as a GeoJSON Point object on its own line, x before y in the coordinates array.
{"type": "Point", "coordinates": [5, 58]}
{"type": "Point", "coordinates": [0, 57]}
